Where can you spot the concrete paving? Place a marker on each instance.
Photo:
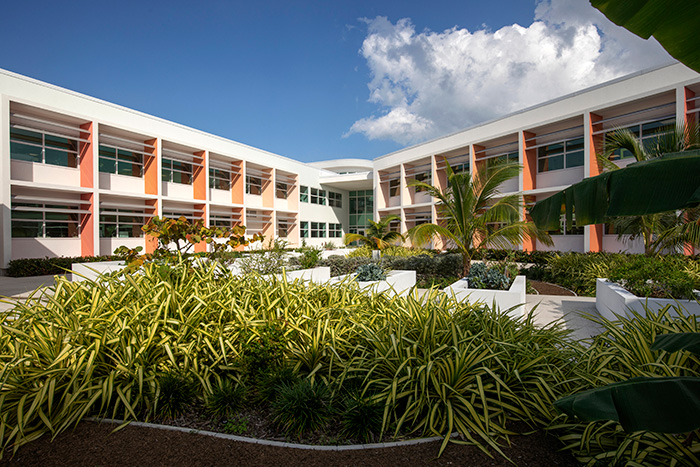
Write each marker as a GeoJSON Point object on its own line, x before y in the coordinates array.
{"type": "Point", "coordinates": [548, 308]}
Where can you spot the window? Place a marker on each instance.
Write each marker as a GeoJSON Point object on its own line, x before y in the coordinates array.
{"type": "Point", "coordinates": [424, 177]}
{"type": "Point", "coordinates": [318, 196]}
{"type": "Point", "coordinates": [176, 172]}
{"type": "Point", "coordinates": [562, 155]}
{"type": "Point", "coordinates": [120, 161]}
{"type": "Point", "coordinates": [45, 220]}
{"type": "Point", "coordinates": [394, 187]}
{"type": "Point", "coordinates": [361, 208]}
{"type": "Point", "coordinates": [219, 179]}
{"type": "Point", "coordinates": [649, 132]}
{"type": "Point", "coordinates": [304, 194]}
{"type": "Point", "coordinates": [253, 185]}
{"type": "Point", "coordinates": [318, 230]}
{"type": "Point", "coordinates": [335, 200]}
{"type": "Point", "coordinates": [304, 229]}
{"type": "Point", "coordinates": [335, 230]}
{"type": "Point", "coordinates": [34, 146]}
{"type": "Point", "coordinates": [121, 223]}
{"type": "Point", "coordinates": [281, 191]}
{"type": "Point", "coordinates": [562, 230]}
{"type": "Point", "coordinates": [507, 158]}
{"type": "Point", "coordinates": [282, 230]}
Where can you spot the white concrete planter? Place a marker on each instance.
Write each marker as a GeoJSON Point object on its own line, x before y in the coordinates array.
{"type": "Point", "coordinates": [611, 299]}
{"type": "Point", "coordinates": [512, 299]}
{"type": "Point", "coordinates": [89, 271]}
{"type": "Point", "coordinates": [397, 282]}
{"type": "Point", "coordinates": [319, 275]}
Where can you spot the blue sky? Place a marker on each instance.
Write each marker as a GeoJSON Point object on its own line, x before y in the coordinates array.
{"type": "Point", "coordinates": [321, 80]}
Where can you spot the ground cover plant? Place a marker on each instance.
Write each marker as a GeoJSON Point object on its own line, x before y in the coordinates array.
{"type": "Point", "coordinates": [27, 267]}
{"type": "Point", "coordinates": [142, 346]}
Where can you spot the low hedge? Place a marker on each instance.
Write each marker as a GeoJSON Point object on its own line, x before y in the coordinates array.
{"type": "Point", "coordinates": [28, 267]}
{"type": "Point", "coordinates": [427, 267]}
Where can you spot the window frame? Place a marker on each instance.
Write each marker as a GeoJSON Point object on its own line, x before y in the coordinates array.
{"type": "Point", "coordinates": [44, 147]}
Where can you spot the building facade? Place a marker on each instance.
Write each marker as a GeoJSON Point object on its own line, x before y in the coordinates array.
{"type": "Point", "coordinates": [79, 176]}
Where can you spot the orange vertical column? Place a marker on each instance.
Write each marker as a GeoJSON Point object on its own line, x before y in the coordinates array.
{"type": "Point", "coordinates": [151, 179]}
{"type": "Point", "coordinates": [237, 182]}
{"type": "Point", "coordinates": [87, 180]}
{"type": "Point", "coordinates": [529, 179]}
{"type": "Point", "coordinates": [595, 237]}
{"type": "Point", "coordinates": [199, 187]}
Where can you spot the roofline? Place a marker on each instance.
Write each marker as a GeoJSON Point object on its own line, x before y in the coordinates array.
{"type": "Point", "coordinates": [536, 106]}
{"type": "Point", "coordinates": [54, 87]}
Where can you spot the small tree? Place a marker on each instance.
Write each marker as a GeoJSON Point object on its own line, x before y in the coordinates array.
{"type": "Point", "coordinates": [474, 214]}
{"type": "Point", "coordinates": [378, 235]}
{"type": "Point", "coordinates": [183, 235]}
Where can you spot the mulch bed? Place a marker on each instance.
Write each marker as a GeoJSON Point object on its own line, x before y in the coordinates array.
{"type": "Point", "coordinates": [93, 444]}
{"type": "Point", "coordinates": [545, 288]}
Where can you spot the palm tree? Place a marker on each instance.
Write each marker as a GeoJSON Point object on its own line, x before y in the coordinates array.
{"type": "Point", "coordinates": [473, 214]}
{"type": "Point", "coordinates": [378, 235]}
{"type": "Point", "coordinates": [660, 231]}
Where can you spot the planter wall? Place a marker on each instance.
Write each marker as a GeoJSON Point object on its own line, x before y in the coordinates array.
{"type": "Point", "coordinates": [611, 300]}
{"type": "Point", "coordinates": [512, 299]}
{"type": "Point", "coordinates": [319, 275]}
{"type": "Point", "coordinates": [397, 282]}
{"type": "Point", "coordinates": [89, 271]}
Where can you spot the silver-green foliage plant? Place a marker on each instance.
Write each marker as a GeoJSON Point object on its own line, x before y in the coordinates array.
{"type": "Point", "coordinates": [484, 277]}
{"type": "Point", "coordinates": [370, 272]}
{"type": "Point", "coordinates": [266, 262]}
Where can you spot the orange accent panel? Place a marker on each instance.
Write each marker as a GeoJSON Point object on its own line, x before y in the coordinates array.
{"type": "Point", "coordinates": [87, 227]}
{"type": "Point", "coordinates": [529, 162]}
{"type": "Point", "coordinates": [237, 182]}
{"type": "Point", "coordinates": [150, 168]}
{"type": "Point", "coordinates": [475, 165]}
{"type": "Point", "coordinates": [151, 242]}
{"type": "Point", "coordinates": [596, 238]}
{"type": "Point", "coordinates": [199, 176]}
{"type": "Point", "coordinates": [201, 247]}
{"type": "Point", "coordinates": [268, 189]}
{"type": "Point", "coordinates": [86, 157]}
{"type": "Point", "coordinates": [688, 106]}
{"type": "Point", "coordinates": [596, 145]}
{"type": "Point", "coordinates": [293, 196]}
{"type": "Point", "coordinates": [529, 244]}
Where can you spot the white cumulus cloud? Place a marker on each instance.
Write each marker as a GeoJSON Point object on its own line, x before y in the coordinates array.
{"type": "Point", "coordinates": [427, 84]}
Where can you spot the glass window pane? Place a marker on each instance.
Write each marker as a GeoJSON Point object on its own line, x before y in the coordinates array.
{"type": "Point", "coordinates": [24, 229]}
{"type": "Point", "coordinates": [26, 136]}
{"type": "Point", "coordinates": [551, 163]}
{"type": "Point", "coordinates": [108, 166]}
{"type": "Point", "coordinates": [574, 159]}
{"type": "Point", "coordinates": [574, 145]}
{"type": "Point", "coordinates": [25, 152]}
{"type": "Point", "coordinates": [60, 158]}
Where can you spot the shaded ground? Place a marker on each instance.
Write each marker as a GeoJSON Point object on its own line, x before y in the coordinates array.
{"type": "Point", "coordinates": [546, 288]}
{"type": "Point", "coordinates": [91, 444]}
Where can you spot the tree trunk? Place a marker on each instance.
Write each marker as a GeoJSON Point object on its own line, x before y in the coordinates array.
{"type": "Point", "coordinates": [466, 265]}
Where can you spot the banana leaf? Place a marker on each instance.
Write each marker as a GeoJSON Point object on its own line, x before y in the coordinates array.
{"type": "Point", "coordinates": [676, 341]}
{"type": "Point", "coordinates": [662, 184]}
{"type": "Point", "coordinates": [662, 405]}
{"type": "Point", "coordinates": [673, 23]}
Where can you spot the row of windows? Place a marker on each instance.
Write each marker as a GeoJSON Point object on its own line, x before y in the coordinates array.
{"type": "Point", "coordinates": [318, 196]}
{"type": "Point", "coordinates": [318, 230]}
{"type": "Point", "coordinates": [563, 155]}
{"type": "Point", "coordinates": [42, 148]}
{"type": "Point", "coordinates": [32, 220]}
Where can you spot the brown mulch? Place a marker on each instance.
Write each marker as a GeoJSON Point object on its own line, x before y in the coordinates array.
{"type": "Point", "coordinates": [91, 444]}
{"type": "Point", "coordinates": [545, 288]}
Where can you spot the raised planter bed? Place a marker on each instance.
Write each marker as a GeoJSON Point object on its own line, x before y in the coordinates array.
{"type": "Point", "coordinates": [90, 271]}
{"type": "Point", "coordinates": [512, 299]}
{"type": "Point", "coordinates": [397, 282]}
{"type": "Point", "coordinates": [319, 275]}
{"type": "Point", "coordinates": [611, 300]}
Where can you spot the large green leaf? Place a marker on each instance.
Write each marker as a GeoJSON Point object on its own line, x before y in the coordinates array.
{"type": "Point", "coordinates": [676, 341]}
{"type": "Point", "coordinates": [673, 23]}
{"type": "Point", "coordinates": [658, 185]}
{"type": "Point", "coordinates": [662, 405]}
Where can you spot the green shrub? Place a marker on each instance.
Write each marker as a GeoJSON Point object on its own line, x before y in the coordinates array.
{"type": "Point", "coordinates": [309, 258]}
{"type": "Point", "coordinates": [302, 407]}
{"type": "Point", "coordinates": [263, 348]}
{"type": "Point", "coordinates": [263, 262]}
{"type": "Point", "coordinates": [49, 266]}
{"type": "Point", "coordinates": [427, 268]}
{"type": "Point", "coordinates": [226, 398]}
{"type": "Point", "coordinates": [365, 251]}
{"type": "Point", "coordinates": [361, 417]}
{"type": "Point", "coordinates": [270, 382]}
{"type": "Point", "coordinates": [483, 277]}
{"type": "Point", "coordinates": [176, 391]}
{"type": "Point", "coordinates": [370, 272]}
{"type": "Point", "coordinates": [658, 277]}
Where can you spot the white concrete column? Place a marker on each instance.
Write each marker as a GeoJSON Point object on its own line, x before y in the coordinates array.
{"type": "Point", "coordinates": [5, 189]}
